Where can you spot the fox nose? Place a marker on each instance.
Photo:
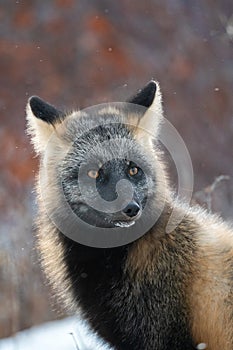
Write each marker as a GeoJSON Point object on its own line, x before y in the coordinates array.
{"type": "Point", "coordinates": [132, 209]}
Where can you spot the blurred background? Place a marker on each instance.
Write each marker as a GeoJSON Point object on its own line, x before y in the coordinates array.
{"type": "Point", "coordinates": [80, 53]}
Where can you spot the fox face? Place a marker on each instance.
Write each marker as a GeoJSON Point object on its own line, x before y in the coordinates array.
{"type": "Point", "coordinates": [100, 174]}
{"type": "Point", "coordinates": [102, 157]}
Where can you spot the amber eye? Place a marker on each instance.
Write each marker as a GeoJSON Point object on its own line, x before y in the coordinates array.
{"type": "Point", "coordinates": [133, 171]}
{"type": "Point", "coordinates": [93, 174]}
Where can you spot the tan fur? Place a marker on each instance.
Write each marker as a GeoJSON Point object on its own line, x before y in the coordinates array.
{"type": "Point", "coordinates": [151, 120]}
{"type": "Point", "coordinates": [51, 143]}
{"type": "Point", "coordinates": [140, 263]}
{"type": "Point", "coordinates": [148, 126]}
{"type": "Point", "coordinates": [38, 130]}
{"type": "Point", "coordinates": [211, 298]}
{"type": "Point", "coordinates": [53, 264]}
{"type": "Point", "coordinates": [209, 287]}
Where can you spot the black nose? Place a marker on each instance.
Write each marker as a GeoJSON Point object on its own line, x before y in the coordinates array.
{"type": "Point", "coordinates": [132, 209]}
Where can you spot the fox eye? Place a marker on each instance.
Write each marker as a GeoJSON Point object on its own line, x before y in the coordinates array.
{"type": "Point", "coordinates": [133, 171]}
{"type": "Point", "coordinates": [93, 174]}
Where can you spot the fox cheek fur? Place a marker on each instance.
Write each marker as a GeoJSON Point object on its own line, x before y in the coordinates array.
{"type": "Point", "coordinates": [162, 291]}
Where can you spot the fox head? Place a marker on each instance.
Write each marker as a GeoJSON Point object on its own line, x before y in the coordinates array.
{"type": "Point", "coordinates": [105, 158]}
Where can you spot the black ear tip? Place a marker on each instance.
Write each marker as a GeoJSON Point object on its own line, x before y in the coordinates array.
{"type": "Point", "coordinates": [151, 86]}
{"type": "Point", "coordinates": [34, 101]}
{"type": "Point", "coordinates": [43, 110]}
{"type": "Point", "coordinates": [146, 95]}
{"type": "Point", "coordinates": [153, 82]}
{"type": "Point", "coordinates": [34, 97]}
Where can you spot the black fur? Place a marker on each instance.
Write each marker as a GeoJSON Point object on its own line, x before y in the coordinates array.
{"type": "Point", "coordinates": [148, 316]}
{"type": "Point", "coordinates": [45, 111]}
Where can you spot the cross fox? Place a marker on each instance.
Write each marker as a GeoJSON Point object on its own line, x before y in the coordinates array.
{"type": "Point", "coordinates": [162, 290]}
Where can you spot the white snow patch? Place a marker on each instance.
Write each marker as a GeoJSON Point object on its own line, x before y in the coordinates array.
{"type": "Point", "coordinates": [55, 335]}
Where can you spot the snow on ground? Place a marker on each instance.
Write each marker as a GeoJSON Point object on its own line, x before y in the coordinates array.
{"type": "Point", "coordinates": [67, 334]}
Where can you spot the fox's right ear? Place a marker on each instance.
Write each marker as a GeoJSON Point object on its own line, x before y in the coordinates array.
{"type": "Point", "coordinates": [150, 98]}
{"type": "Point", "coordinates": [42, 119]}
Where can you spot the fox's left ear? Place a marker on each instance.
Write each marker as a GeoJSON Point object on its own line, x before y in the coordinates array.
{"type": "Point", "coordinates": [42, 119]}
{"type": "Point", "coordinates": [150, 98]}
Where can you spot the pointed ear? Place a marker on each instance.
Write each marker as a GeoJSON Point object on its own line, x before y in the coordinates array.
{"type": "Point", "coordinates": [150, 98]}
{"type": "Point", "coordinates": [42, 119]}
{"type": "Point", "coordinates": [145, 96]}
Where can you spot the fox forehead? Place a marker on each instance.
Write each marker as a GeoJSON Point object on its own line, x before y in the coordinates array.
{"type": "Point", "coordinates": [105, 133]}
{"type": "Point", "coordinates": [81, 122]}
{"type": "Point", "coordinates": [105, 143]}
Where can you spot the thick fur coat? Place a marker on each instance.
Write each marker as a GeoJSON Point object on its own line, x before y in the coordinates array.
{"type": "Point", "coordinates": [162, 291]}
